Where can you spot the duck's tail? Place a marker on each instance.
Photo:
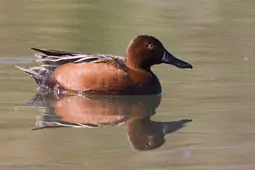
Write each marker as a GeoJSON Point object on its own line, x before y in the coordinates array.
{"type": "Point", "coordinates": [41, 75]}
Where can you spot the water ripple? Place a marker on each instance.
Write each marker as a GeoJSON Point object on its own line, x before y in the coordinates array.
{"type": "Point", "coordinates": [15, 60]}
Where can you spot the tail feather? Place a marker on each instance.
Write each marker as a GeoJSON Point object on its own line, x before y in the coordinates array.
{"type": "Point", "coordinates": [41, 76]}
{"type": "Point", "coordinates": [56, 57]}
{"type": "Point", "coordinates": [53, 52]}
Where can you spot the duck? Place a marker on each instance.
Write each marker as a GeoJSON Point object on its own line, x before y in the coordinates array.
{"type": "Point", "coordinates": [83, 73]}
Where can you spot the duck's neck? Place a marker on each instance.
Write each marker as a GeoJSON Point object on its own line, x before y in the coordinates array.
{"type": "Point", "coordinates": [136, 65]}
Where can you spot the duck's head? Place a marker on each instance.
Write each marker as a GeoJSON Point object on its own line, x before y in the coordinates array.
{"type": "Point", "coordinates": [145, 51]}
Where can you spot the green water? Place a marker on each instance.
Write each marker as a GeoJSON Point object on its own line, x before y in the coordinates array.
{"type": "Point", "coordinates": [216, 36]}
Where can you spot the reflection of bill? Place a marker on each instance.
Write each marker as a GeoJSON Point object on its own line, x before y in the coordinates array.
{"type": "Point", "coordinates": [146, 134]}
{"type": "Point", "coordinates": [101, 111]}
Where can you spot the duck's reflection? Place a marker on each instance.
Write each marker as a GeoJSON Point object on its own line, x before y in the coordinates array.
{"type": "Point", "coordinates": [101, 111]}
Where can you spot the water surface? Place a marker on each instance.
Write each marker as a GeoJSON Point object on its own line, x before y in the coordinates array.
{"type": "Point", "coordinates": [217, 37]}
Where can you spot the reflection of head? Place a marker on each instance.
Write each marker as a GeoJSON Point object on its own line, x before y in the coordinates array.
{"type": "Point", "coordinates": [145, 134]}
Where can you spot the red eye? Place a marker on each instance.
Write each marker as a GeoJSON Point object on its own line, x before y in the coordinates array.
{"type": "Point", "coordinates": [151, 46]}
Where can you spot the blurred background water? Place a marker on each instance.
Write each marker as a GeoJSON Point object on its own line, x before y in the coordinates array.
{"type": "Point", "coordinates": [216, 36]}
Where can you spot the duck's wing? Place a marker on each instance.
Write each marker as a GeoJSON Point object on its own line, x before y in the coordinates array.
{"type": "Point", "coordinates": [55, 57]}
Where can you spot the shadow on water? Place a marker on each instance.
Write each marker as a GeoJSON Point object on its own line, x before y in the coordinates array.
{"type": "Point", "coordinates": [134, 112]}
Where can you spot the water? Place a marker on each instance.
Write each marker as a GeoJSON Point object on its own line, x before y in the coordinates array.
{"type": "Point", "coordinates": [217, 37]}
